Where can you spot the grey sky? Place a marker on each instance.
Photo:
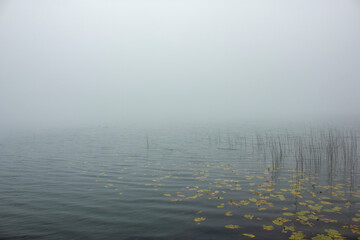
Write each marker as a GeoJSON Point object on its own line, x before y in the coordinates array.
{"type": "Point", "coordinates": [117, 62]}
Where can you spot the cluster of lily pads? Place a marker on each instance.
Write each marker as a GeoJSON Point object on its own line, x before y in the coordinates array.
{"type": "Point", "coordinates": [301, 206]}
{"type": "Point", "coordinates": [305, 204]}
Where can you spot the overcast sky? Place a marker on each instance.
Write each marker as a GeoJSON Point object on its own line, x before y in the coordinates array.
{"type": "Point", "coordinates": [72, 62]}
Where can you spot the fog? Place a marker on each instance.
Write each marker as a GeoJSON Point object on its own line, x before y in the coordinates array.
{"type": "Point", "coordinates": [83, 63]}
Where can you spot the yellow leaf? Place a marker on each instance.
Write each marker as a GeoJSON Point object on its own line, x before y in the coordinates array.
{"type": "Point", "coordinates": [297, 236]}
{"type": "Point", "coordinates": [167, 195]}
{"type": "Point", "coordinates": [200, 219]}
{"type": "Point", "coordinates": [280, 221]}
{"type": "Point", "coordinates": [269, 227]}
{"type": "Point", "coordinates": [334, 209]}
{"type": "Point", "coordinates": [249, 216]}
{"type": "Point", "coordinates": [288, 228]}
{"type": "Point", "coordinates": [249, 235]}
{"type": "Point", "coordinates": [321, 237]}
{"type": "Point", "coordinates": [304, 218]}
{"type": "Point", "coordinates": [288, 214]}
{"type": "Point", "coordinates": [229, 214]}
{"type": "Point", "coordinates": [232, 226]}
{"type": "Point", "coordinates": [334, 234]}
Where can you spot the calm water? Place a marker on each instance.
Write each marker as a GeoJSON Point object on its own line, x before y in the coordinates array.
{"type": "Point", "coordinates": [108, 183]}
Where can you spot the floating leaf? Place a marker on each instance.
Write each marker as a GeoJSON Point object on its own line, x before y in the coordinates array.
{"type": "Point", "coordinates": [326, 220]}
{"type": "Point", "coordinates": [300, 217]}
{"type": "Point", "coordinates": [200, 219]}
{"type": "Point", "coordinates": [232, 226]}
{"type": "Point", "coordinates": [288, 228]}
{"type": "Point", "coordinates": [249, 216]}
{"type": "Point", "coordinates": [288, 214]}
{"type": "Point", "coordinates": [321, 237]}
{"type": "Point", "coordinates": [334, 234]}
{"type": "Point", "coordinates": [297, 235]}
{"type": "Point", "coordinates": [167, 195]}
{"type": "Point", "coordinates": [249, 235]}
{"type": "Point", "coordinates": [229, 214]}
{"type": "Point", "coordinates": [280, 221]}
{"type": "Point", "coordinates": [334, 209]}
{"type": "Point", "coordinates": [269, 227]}
{"type": "Point", "coordinates": [220, 206]}
{"type": "Point", "coordinates": [315, 207]}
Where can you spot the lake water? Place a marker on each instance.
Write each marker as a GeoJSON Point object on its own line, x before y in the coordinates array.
{"type": "Point", "coordinates": [191, 183]}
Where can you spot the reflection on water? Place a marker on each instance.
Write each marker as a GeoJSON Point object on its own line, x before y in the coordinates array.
{"type": "Point", "coordinates": [177, 184]}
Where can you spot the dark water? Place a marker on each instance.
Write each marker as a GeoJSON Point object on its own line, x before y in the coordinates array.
{"type": "Point", "coordinates": [108, 183]}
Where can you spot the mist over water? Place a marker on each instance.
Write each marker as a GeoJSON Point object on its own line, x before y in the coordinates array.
{"type": "Point", "coordinates": [77, 63]}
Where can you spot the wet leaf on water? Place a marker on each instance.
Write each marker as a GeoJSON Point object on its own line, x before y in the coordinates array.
{"type": "Point", "coordinates": [299, 235]}
{"type": "Point", "coordinates": [244, 202]}
{"type": "Point", "coordinates": [280, 196]}
{"type": "Point", "coordinates": [334, 209]}
{"type": "Point", "coordinates": [295, 193]}
{"type": "Point", "coordinates": [334, 234]}
{"type": "Point", "coordinates": [310, 224]}
{"type": "Point", "coordinates": [326, 220]}
{"type": "Point", "coordinates": [288, 228]}
{"type": "Point", "coordinates": [269, 227]}
{"type": "Point", "coordinates": [280, 221]}
{"type": "Point", "coordinates": [249, 216]}
{"type": "Point", "coordinates": [167, 195]}
{"type": "Point", "coordinates": [300, 217]}
{"type": "Point", "coordinates": [321, 237]}
{"type": "Point", "coordinates": [316, 207]}
{"type": "Point", "coordinates": [249, 235]}
{"type": "Point", "coordinates": [229, 214]}
{"type": "Point", "coordinates": [200, 219]}
{"type": "Point", "coordinates": [232, 226]}
{"type": "Point", "coordinates": [288, 214]}
{"type": "Point", "coordinates": [220, 206]}
{"type": "Point", "coordinates": [313, 217]}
